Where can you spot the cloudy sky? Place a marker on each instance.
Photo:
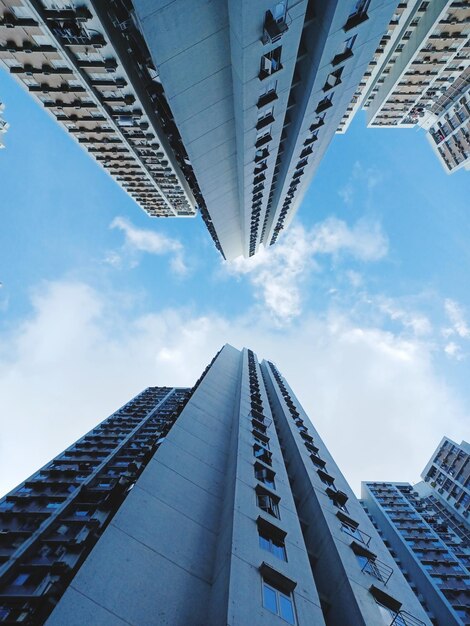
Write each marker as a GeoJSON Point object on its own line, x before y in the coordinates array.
{"type": "Point", "coordinates": [363, 304]}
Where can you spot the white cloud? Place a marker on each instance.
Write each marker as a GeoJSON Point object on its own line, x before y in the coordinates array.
{"type": "Point", "coordinates": [364, 241]}
{"type": "Point", "coordinates": [417, 322]}
{"type": "Point", "coordinates": [374, 396]}
{"type": "Point", "coordinates": [278, 273]}
{"type": "Point", "coordinates": [457, 319]}
{"type": "Point", "coordinates": [454, 351]}
{"type": "Point", "coordinates": [149, 241]}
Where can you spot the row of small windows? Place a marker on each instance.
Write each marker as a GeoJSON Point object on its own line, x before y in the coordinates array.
{"type": "Point", "coordinates": [333, 80]}
{"type": "Point", "coordinates": [366, 559]}
{"type": "Point", "coordinates": [276, 598]}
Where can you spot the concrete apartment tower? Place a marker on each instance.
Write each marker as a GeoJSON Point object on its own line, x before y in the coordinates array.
{"type": "Point", "coordinates": [221, 106]}
{"type": "Point", "coordinates": [427, 531]}
{"type": "Point", "coordinates": [257, 90]}
{"type": "Point", "coordinates": [214, 505]}
{"type": "Point", "coordinates": [419, 75]}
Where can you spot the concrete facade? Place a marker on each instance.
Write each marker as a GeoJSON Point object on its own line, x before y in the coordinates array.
{"type": "Point", "coordinates": [429, 552]}
{"type": "Point", "coordinates": [356, 579]}
{"type": "Point", "coordinates": [257, 91]}
{"type": "Point", "coordinates": [448, 475]}
{"type": "Point", "coordinates": [419, 76]}
{"type": "Point", "coordinates": [214, 505]}
{"type": "Point", "coordinates": [231, 522]}
{"type": "Point", "coordinates": [87, 64]}
{"type": "Point", "coordinates": [51, 521]}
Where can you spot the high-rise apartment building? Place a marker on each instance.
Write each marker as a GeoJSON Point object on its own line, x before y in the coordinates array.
{"type": "Point", "coordinates": [3, 125]}
{"type": "Point", "coordinates": [448, 475]}
{"type": "Point", "coordinates": [420, 76]}
{"type": "Point", "coordinates": [229, 108]}
{"type": "Point", "coordinates": [257, 90]}
{"type": "Point", "coordinates": [88, 65]}
{"type": "Point", "coordinates": [214, 505]}
{"type": "Point", "coordinates": [427, 531]}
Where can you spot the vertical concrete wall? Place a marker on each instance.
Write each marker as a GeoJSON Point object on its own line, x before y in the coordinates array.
{"type": "Point", "coordinates": [435, 600]}
{"type": "Point", "coordinates": [154, 563]}
{"type": "Point", "coordinates": [240, 555]}
{"type": "Point", "coordinates": [342, 585]}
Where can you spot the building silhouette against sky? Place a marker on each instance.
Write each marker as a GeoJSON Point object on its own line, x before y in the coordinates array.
{"type": "Point", "coordinates": [419, 76]}
{"type": "Point", "coordinates": [257, 90]}
{"type": "Point", "coordinates": [427, 530]}
{"type": "Point", "coordinates": [225, 106]}
{"type": "Point", "coordinates": [217, 505]}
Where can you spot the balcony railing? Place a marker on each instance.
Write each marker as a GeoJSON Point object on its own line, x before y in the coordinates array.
{"type": "Point", "coordinates": [378, 569]}
{"type": "Point", "coordinates": [403, 618]}
{"type": "Point", "coordinates": [356, 533]}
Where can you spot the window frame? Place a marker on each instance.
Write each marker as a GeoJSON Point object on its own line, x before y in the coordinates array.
{"type": "Point", "coordinates": [278, 593]}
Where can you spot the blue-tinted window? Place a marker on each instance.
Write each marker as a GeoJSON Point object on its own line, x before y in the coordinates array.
{"type": "Point", "coordinates": [269, 599]}
{"type": "Point", "coordinates": [20, 580]}
{"type": "Point", "coordinates": [278, 602]}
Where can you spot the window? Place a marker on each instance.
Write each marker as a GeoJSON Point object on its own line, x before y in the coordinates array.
{"type": "Point", "coordinates": [260, 452]}
{"type": "Point", "coordinates": [358, 15]}
{"type": "Point", "coordinates": [268, 93]}
{"type": "Point", "coordinates": [318, 121]}
{"type": "Point", "coordinates": [337, 497]}
{"type": "Point", "coordinates": [316, 460]}
{"type": "Point", "coordinates": [275, 23]}
{"type": "Point", "coordinates": [333, 79]}
{"type": "Point", "coordinates": [265, 475]}
{"type": "Point", "coordinates": [267, 502]}
{"type": "Point", "coordinates": [270, 63]}
{"type": "Point", "coordinates": [272, 539]}
{"type": "Point", "coordinates": [21, 12]}
{"type": "Point", "coordinates": [20, 580]}
{"type": "Point", "coordinates": [265, 117]}
{"type": "Point", "coordinates": [326, 479]}
{"type": "Point", "coordinates": [324, 104]}
{"type": "Point", "coordinates": [361, 6]}
{"type": "Point", "coordinates": [261, 440]}
{"type": "Point", "coordinates": [278, 602]}
{"type": "Point", "coordinates": [370, 564]}
{"type": "Point", "coordinates": [42, 40]}
{"type": "Point", "coordinates": [263, 137]}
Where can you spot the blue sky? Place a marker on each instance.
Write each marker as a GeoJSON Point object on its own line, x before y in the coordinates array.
{"type": "Point", "coordinates": [363, 304]}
